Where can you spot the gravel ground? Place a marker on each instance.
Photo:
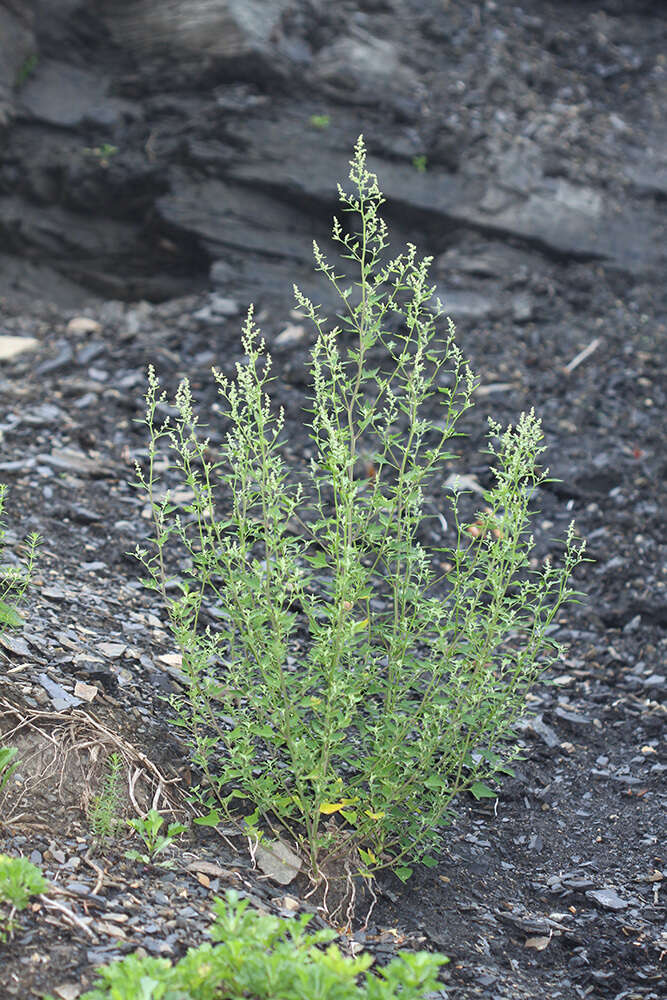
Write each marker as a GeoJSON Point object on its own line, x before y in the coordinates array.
{"type": "Point", "coordinates": [556, 888]}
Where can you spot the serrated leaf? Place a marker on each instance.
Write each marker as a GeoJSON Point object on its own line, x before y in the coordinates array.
{"type": "Point", "coordinates": [318, 561]}
{"type": "Point", "coordinates": [9, 617]}
{"type": "Point", "coordinates": [211, 819]}
{"type": "Point", "coordinates": [264, 731]}
{"type": "Point", "coordinates": [333, 807]}
{"type": "Point", "coordinates": [367, 856]}
{"type": "Point", "coordinates": [482, 791]}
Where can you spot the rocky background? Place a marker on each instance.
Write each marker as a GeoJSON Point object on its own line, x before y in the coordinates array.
{"type": "Point", "coordinates": [163, 164]}
{"type": "Point", "coordinates": [152, 147]}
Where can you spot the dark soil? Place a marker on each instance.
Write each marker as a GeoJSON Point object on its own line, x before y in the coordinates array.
{"type": "Point", "coordinates": [555, 889]}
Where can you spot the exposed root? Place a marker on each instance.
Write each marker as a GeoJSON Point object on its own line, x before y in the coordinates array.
{"type": "Point", "coordinates": [252, 849]}
{"type": "Point", "coordinates": [98, 871]}
{"type": "Point", "coordinates": [369, 886]}
{"type": "Point", "coordinates": [53, 904]}
{"type": "Point", "coordinates": [66, 752]}
{"type": "Point", "coordinates": [337, 883]}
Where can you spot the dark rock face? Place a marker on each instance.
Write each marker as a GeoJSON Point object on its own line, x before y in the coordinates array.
{"type": "Point", "coordinates": [17, 48]}
{"type": "Point", "coordinates": [148, 145]}
{"type": "Point", "coordinates": [151, 149]}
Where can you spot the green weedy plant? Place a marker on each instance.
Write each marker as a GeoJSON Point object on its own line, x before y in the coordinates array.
{"type": "Point", "coordinates": [103, 154]}
{"type": "Point", "coordinates": [264, 957]}
{"type": "Point", "coordinates": [347, 690]}
{"type": "Point", "coordinates": [320, 121]}
{"type": "Point", "coordinates": [104, 808]}
{"type": "Point", "coordinates": [148, 828]}
{"type": "Point", "coordinates": [14, 580]}
{"type": "Point", "coordinates": [26, 69]}
{"type": "Point", "coordinates": [19, 880]}
{"type": "Point", "coordinates": [7, 768]}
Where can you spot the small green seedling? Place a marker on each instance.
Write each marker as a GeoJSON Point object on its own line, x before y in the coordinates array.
{"type": "Point", "coordinates": [14, 580]}
{"type": "Point", "coordinates": [19, 880]}
{"type": "Point", "coordinates": [7, 768]}
{"type": "Point", "coordinates": [420, 164]}
{"type": "Point", "coordinates": [103, 154]}
{"type": "Point", "coordinates": [320, 121]}
{"type": "Point", "coordinates": [155, 842]}
{"type": "Point", "coordinates": [25, 71]}
{"type": "Point", "coordinates": [104, 808]}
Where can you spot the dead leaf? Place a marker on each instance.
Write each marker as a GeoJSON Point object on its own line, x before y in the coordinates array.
{"type": "Point", "coordinates": [68, 991]}
{"type": "Point", "coordinates": [538, 943]}
{"type": "Point", "coordinates": [210, 868]}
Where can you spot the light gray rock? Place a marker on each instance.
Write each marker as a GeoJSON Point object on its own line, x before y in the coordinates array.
{"type": "Point", "coordinates": [217, 308]}
{"type": "Point", "coordinates": [72, 461]}
{"type": "Point", "coordinates": [608, 899]}
{"type": "Point", "coordinates": [277, 861]}
{"type": "Point", "coordinates": [11, 346]}
{"type": "Point", "coordinates": [460, 304]}
{"type": "Point", "coordinates": [361, 68]}
{"type": "Point", "coordinates": [69, 97]}
{"type": "Point", "coordinates": [239, 33]}
{"type": "Point", "coordinates": [522, 307]}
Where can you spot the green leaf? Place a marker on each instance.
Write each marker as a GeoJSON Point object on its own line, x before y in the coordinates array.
{"type": "Point", "coordinates": [328, 808]}
{"type": "Point", "coordinates": [213, 818]}
{"type": "Point", "coordinates": [403, 873]}
{"type": "Point", "coordinates": [482, 791]}
{"type": "Point", "coordinates": [429, 861]}
{"type": "Point", "coordinates": [265, 731]}
{"type": "Point", "coordinates": [137, 856]}
{"type": "Point", "coordinates": [9, 617]}
{"type": "Point", "coordinates": [318, 561]}
{"type": "Point", "coordinates": [367, 857]}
